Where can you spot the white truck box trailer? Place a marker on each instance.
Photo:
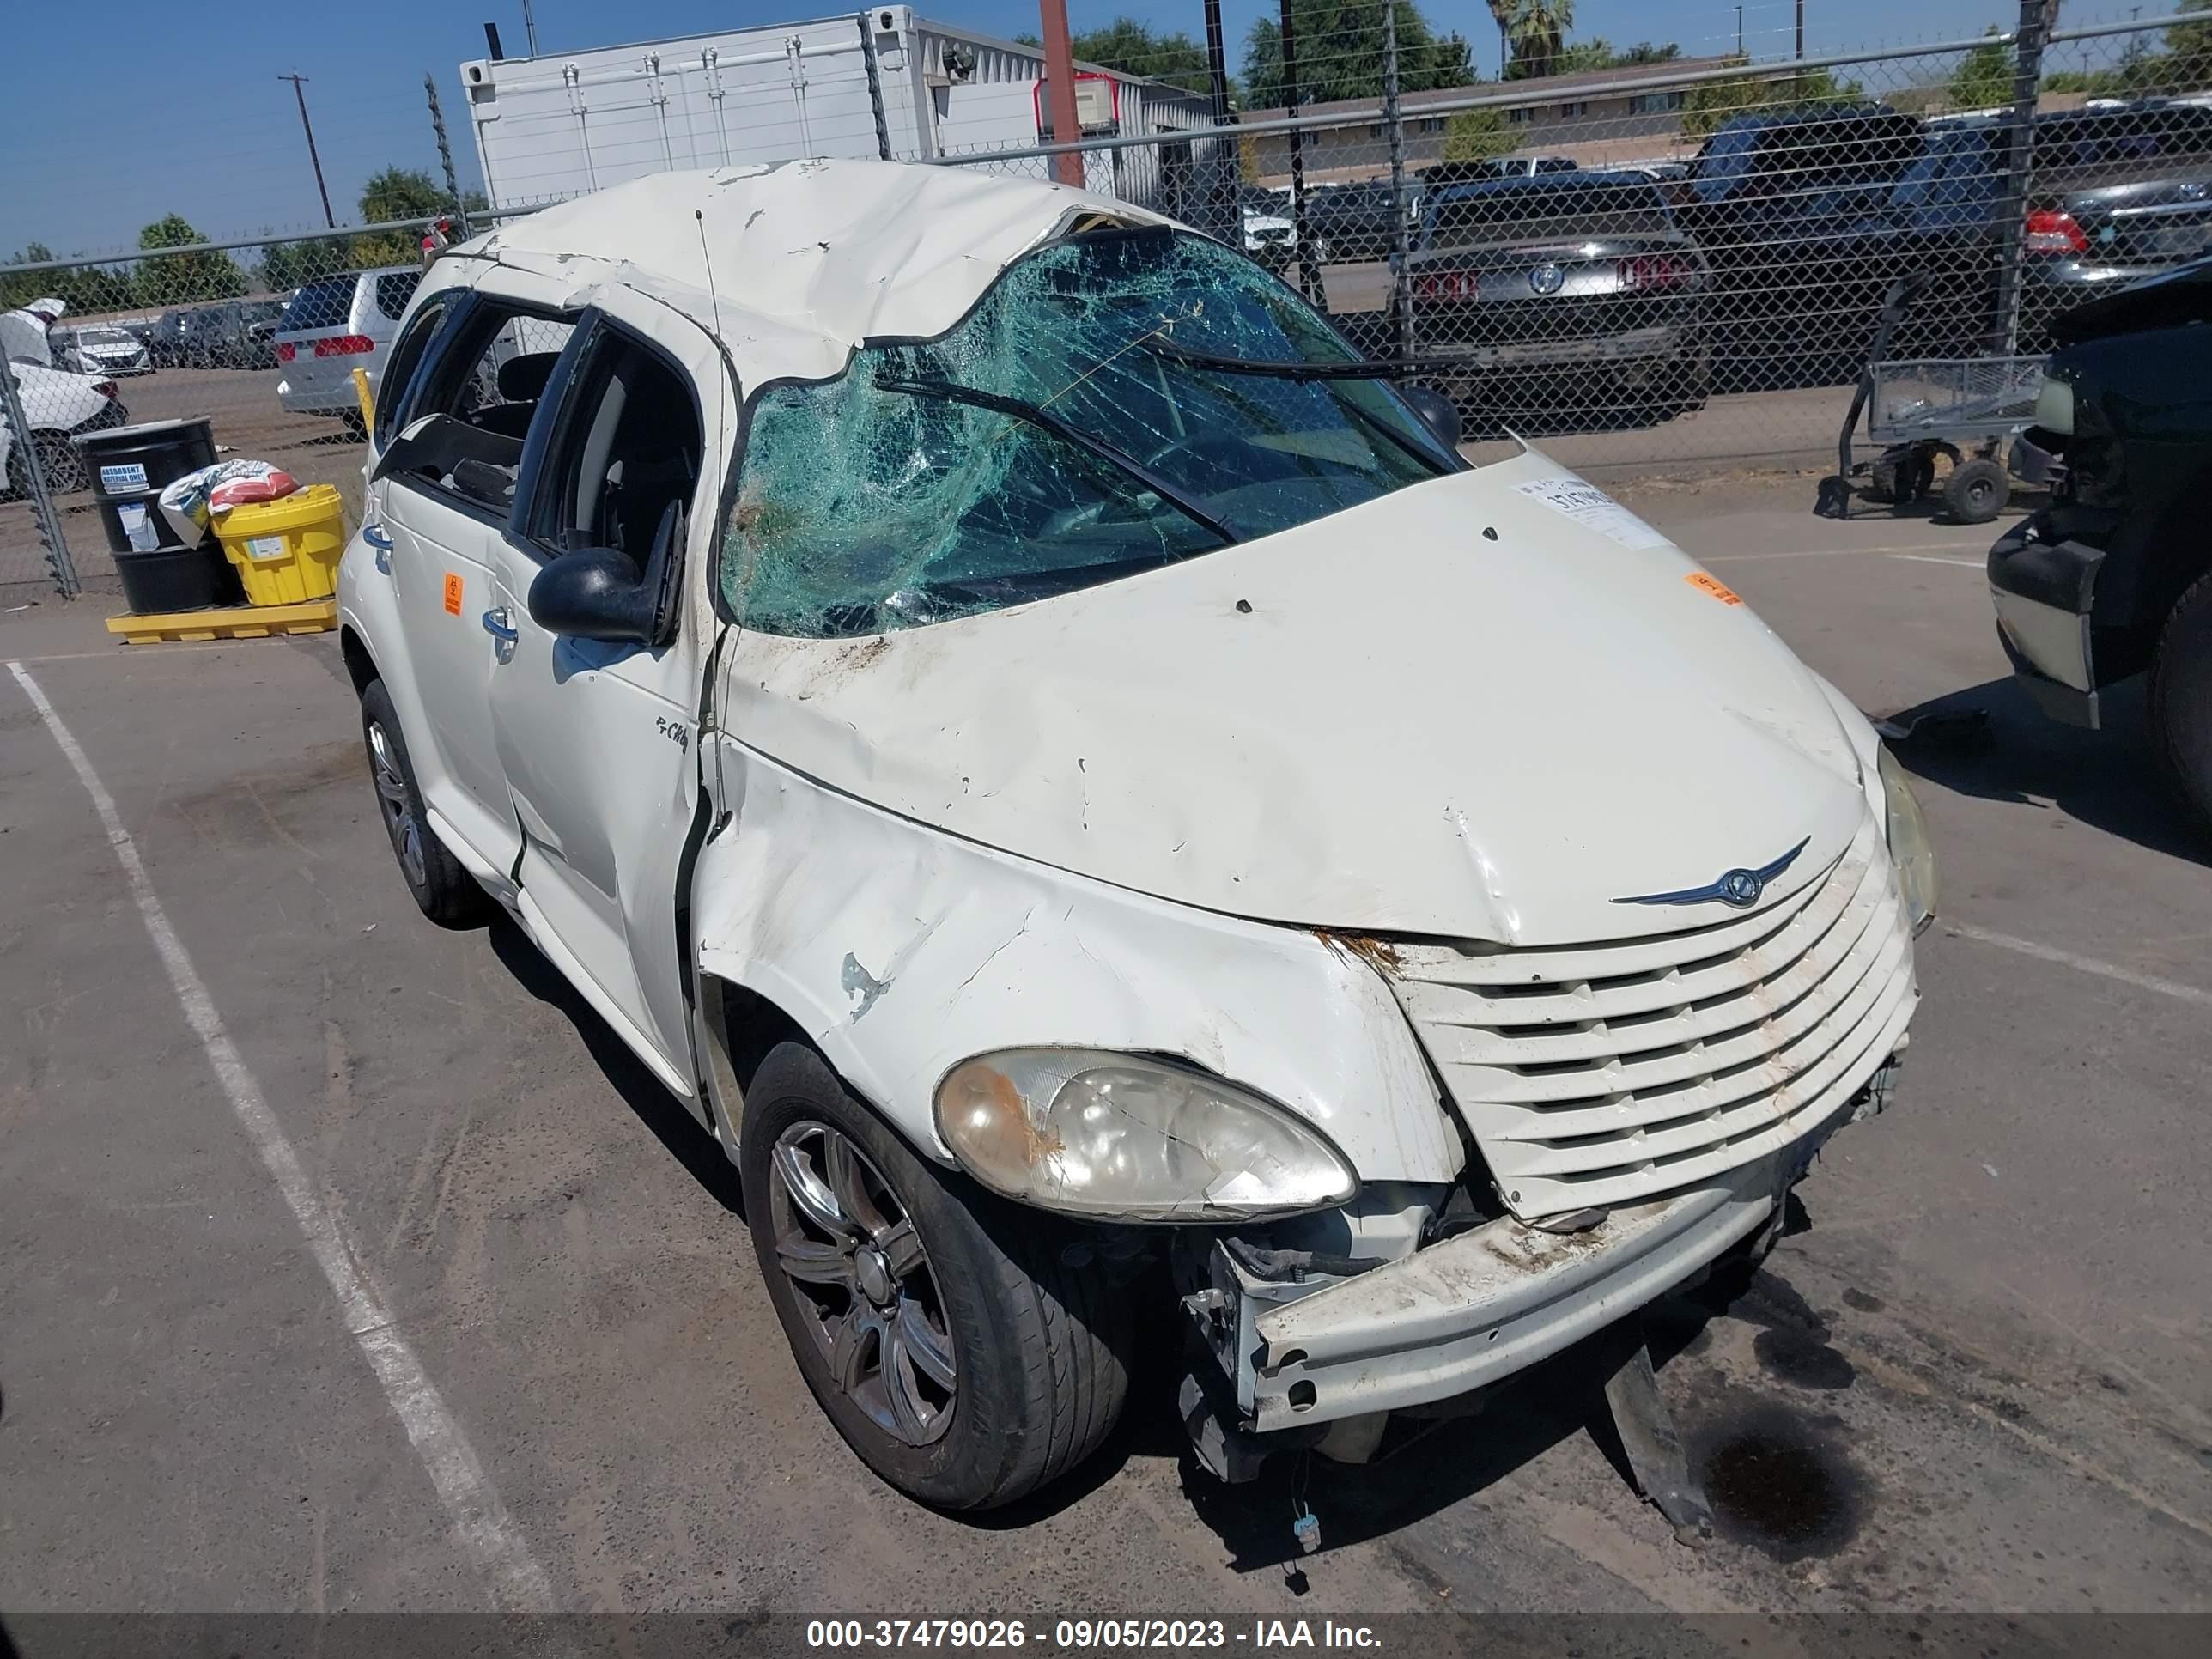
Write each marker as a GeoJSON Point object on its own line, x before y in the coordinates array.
{"type": "Point", "coordinates": [565, 124]}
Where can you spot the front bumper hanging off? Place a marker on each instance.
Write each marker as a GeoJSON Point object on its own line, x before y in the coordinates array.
{"type": "Point", "coordinates": [1477, 1307]}
{"type": "Point", "coordinates": [2043, 592]}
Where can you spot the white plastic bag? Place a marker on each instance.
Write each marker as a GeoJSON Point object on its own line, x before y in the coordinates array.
{"type": "Point", "coordinates": [188, 502]}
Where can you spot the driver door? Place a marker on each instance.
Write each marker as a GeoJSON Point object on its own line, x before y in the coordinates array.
{"type": "Point", "coordinates": [596, 740]}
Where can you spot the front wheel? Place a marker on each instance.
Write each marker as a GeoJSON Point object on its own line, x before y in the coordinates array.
{"type": "Point", "coordinates": [442, 888]}
{"type": "Point", "coordinates": [942, 1330]}
{"type": "Point", "coordinates": [2181, 700]}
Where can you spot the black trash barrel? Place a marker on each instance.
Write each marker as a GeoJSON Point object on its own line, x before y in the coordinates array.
{"type": "Point", "coordinates": [128, 466]}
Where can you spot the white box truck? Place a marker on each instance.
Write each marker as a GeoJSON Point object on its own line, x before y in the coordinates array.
{"type": "Point", "coordinates": [563, 125]}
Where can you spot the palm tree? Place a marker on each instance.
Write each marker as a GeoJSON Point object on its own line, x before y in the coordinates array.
{"type": "Point", "coordinates": [1539, 28]}
{"type": "Point", "coordinates": [1502, 12]}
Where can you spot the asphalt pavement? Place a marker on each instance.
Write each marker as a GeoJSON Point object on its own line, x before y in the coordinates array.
{"type": "Point", "coordinates": [1972, 1378]}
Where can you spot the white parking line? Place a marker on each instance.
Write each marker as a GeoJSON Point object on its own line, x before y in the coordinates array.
{"type": "Point", "coordinates": [2028, 947]}
{"type": "Point", "coordinates": [1929, 558]}
{"type": "Point", "coordinates": [1899, 549]}
{"type": "Point", "coordinates": [486, 1532]}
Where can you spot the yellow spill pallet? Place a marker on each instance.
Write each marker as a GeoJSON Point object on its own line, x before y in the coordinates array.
{"type": "Point", "coordinates": [243, 621]}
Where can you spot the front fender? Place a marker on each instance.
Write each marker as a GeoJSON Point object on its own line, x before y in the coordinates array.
{"type": "Point", "coordinates": [901, 950]}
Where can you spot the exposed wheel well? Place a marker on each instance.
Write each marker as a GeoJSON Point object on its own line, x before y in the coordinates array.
{"type": "Point", "coordinates": [361, 667]}
{"type": "Point", "coordinates": [741, 1026]}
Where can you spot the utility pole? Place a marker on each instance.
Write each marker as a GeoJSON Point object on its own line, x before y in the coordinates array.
{"type": "Point", "coordinates": [529, 28]}
{"type": "Point", "coordinates": [1801, 27]}
{"type": "Point", "coordinates": [1060, 91]}
{"type": "Point", "coordinates": [1739, 31]}
{"type": "Point", "coordinates": [299, 90]}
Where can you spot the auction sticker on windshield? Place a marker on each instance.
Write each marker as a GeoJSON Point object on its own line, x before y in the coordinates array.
{"type": "Point", "coordinates": [1592, 508]}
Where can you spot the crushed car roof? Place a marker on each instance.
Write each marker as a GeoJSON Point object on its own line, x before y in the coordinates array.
{"type": "Point", "coordinates": [809, 258]}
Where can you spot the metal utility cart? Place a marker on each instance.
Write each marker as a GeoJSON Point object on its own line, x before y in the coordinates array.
{"type": "Point", "coordinates": [1964, 409]}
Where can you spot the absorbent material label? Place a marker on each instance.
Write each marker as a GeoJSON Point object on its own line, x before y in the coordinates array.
{"type": "Point", "coordinates": [123, 475]}
{"type": "Point", "coordinates": [1592, 508]}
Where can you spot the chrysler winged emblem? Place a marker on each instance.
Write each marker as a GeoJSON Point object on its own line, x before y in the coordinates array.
{"type": "Point", "coordinates": [1738, 888]}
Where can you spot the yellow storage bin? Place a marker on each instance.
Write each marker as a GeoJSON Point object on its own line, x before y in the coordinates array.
{"type": "Point", "coordinates": [286, 551]}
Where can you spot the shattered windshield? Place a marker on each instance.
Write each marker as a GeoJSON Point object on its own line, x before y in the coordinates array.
{"type": "Point", "coordinates": [1115, 402]}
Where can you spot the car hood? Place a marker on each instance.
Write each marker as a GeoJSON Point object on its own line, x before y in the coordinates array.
{"type": "Point", "coordinates": [1488, 707]}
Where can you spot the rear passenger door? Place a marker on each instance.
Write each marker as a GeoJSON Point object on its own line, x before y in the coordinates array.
{"type": "Point", "coordinates": [441, 497]}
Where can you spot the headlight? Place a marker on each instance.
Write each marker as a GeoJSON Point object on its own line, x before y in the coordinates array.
{"type": "Point", "coordinates": [1909, 847]}
{"type": "Point", "coordinates": [1131, 1139]}
{"type": "Point", "coordinates": [2054, 406]}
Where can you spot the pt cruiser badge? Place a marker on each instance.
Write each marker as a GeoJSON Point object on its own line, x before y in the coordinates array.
{"type": "Point", "coordinates": [1740, 888]}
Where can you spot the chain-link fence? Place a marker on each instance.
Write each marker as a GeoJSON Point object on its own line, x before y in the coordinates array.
{"type": "Point", "coordinates": [258, 339]}
{"type": "Point", "coordinates": [1662, 262]}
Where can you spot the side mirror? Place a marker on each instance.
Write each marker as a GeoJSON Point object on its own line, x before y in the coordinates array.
{"type": "Point", "coordinates": [1437, 412]}
{"type": "Point", "coordinates": [594, 593]}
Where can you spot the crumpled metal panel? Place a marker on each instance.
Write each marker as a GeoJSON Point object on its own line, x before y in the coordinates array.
{"type": "Point", "coordinates": [902, 952]}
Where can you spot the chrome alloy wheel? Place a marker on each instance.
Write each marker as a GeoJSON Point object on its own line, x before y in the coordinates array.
{"type": "Point", "coordinates": [858, 1269]}
{"type": "Point", "coordinates": [392, 797]}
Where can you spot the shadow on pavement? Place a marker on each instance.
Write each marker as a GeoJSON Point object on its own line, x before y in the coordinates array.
{"type": "Point", "coordinates": [2108, 780]}
{"type": "Point", "coordinates": [670, 1121]}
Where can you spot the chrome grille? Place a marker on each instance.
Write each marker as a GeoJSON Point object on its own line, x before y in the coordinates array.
{"type": "Point", "coordinates": [1602, 1074]}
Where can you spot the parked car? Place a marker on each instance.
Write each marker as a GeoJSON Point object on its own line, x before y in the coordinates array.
{"type": "Point", "coordinates": [100, 349]}
{"type": "Point", "coordinates": [2122, 192]}
{"type": "Point", "coordinates": [1780, 203]}
{"type": "Point", "coordinates": [2113, 579]}
{"type": "Point", "coordinates": [334, 325]}
{"type": "Point", "coordinates": [1350, 224]}
{"type": "Point", "coordinates": [1572, 298]}
{"type": "Point", "coordinates": [167, 343]}
{"type": "Point", "coordinates": [950, 781]}
{"type": "Point", "coordinates": [59, 405]}
{"type": "Point", "coordinates": [222, 335]}
{"type": "Point", "coordinates": [1495, 166]}
{"type": "Point", "coordinates": [1270, 235]}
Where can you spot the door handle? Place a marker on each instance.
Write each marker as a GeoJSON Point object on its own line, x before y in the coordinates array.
{"type": "Point", "coordinates": [499, 623]}
{"type": "Point", "coordinates": [374, 535]}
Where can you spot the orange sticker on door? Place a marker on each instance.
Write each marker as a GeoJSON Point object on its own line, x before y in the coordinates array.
{"type": "Point", "coordinates": [453, 593]}
{"type": "Point", "coordinates": [1712, 586]}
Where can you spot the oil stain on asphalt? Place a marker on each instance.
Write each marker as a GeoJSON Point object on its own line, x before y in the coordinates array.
{"type": "Point", "coordinates": [1775, 1484]}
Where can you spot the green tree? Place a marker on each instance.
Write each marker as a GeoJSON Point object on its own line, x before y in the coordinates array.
{"type": "Point", "coordinates": [87, 289]}
{"type": "Point", "coordinates": [402, 193]}
{"type": "Point", "coordinates": [1476, 135]}
{"type": "Point", "coordinates": [1538, 29]}
{"type": "Point", "coordinates": [185, 278]}
{"type": "Point", "coordinates": [1705, 107]}
{"type": "Point", "coordinates": [1501, 13]}
{"type": "Point", "coordinates": [1598, 53]}
{"type": "Point", "coordinates": [287, 265]}
{"type": "Point", "coordinates": [1136, 48]}
{"type": "Point", "coordinates": [1984, 76]}
{"type": "Point", "coordinates": [1340, 54]}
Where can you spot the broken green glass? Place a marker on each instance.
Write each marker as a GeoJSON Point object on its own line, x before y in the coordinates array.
{"type": "Point", "coordinates": [865, 504]}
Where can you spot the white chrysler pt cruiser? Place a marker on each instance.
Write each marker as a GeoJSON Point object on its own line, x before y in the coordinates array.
{"type": "Point", "coordinates": [1103, 811]}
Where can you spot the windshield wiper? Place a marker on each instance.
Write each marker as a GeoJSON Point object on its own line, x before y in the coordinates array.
{"type": "Point", "coordinates": [1363, 370]}
{"type": "Point", "coordinates": [1358, 369]}
{"type": "Point", "coordinates": [976, 398]}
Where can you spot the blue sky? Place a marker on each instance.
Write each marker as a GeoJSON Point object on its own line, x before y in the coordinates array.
{"type": "Point", "coordinates": [189, 117]}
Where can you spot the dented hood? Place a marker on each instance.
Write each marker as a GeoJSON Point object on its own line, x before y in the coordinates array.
{"type": "Point", "coordinates": [1485, 707]}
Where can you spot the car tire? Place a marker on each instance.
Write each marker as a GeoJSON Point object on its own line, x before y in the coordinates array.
{"type": "Point", "coordinates": [442, 888]}
{"type": "Point", "coordinates": [61, 462]}
{"type": "Point", "coordinates": [2180, 702]}
{"type": "Point", "coordinates": [1977, 490]}
{"type": "Point", "coordinates": [947, 1334]}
